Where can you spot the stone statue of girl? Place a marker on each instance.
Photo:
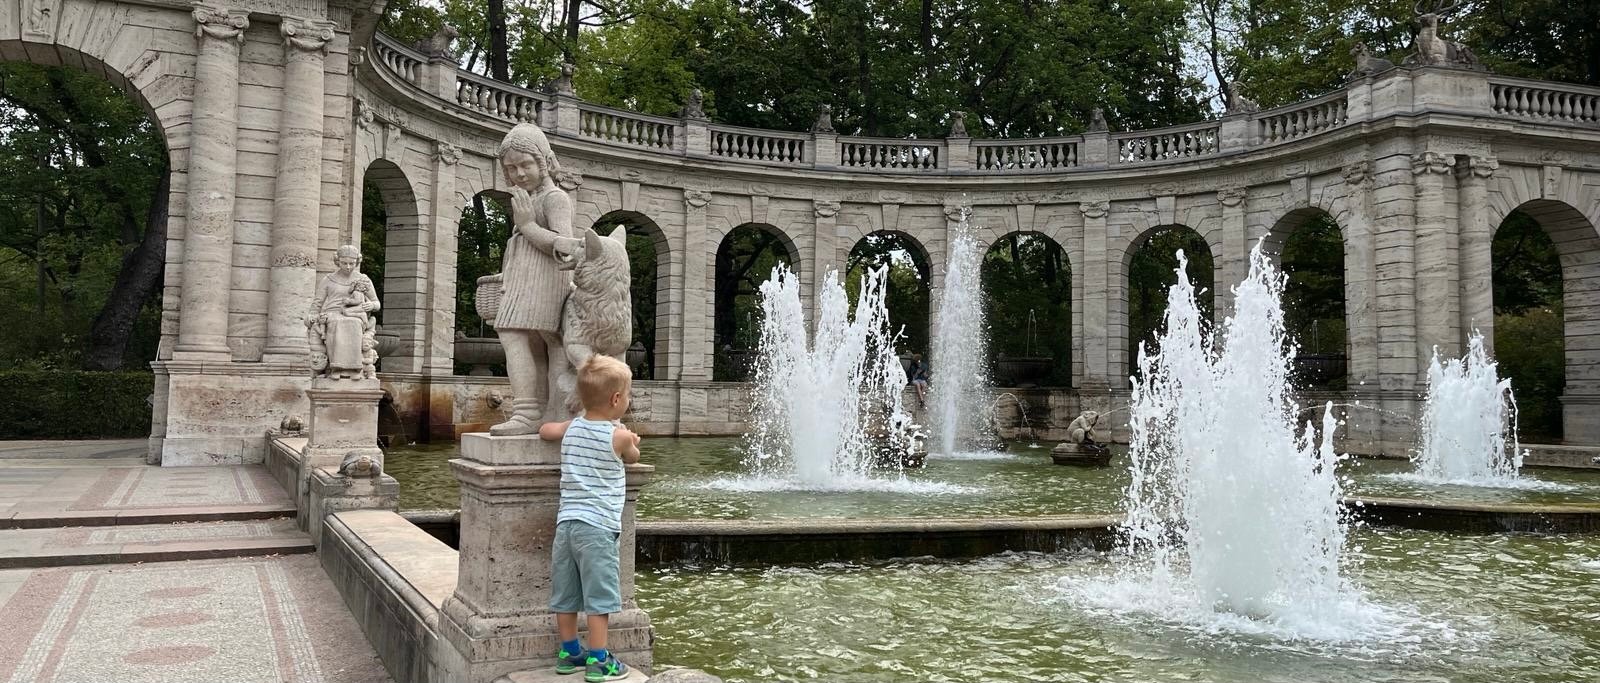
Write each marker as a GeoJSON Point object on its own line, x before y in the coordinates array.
{"type": "Point", "coordinates": [535, 281]}
{"type": "Point", "coordinates": [340, 328]}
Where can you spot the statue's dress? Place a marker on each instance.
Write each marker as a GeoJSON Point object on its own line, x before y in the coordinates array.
{"type": "Point", "coordinates": [343, 335]}
{"type": "Point", "coordinates": [533, 287]}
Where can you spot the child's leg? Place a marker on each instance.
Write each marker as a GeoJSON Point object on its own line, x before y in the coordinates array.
{"type": "Point", "coordinates": [599, 630]}
{"type": "Point", "coordinates": [566, 594]}
{"type": "Point", "coordinates": [567, 627]}
{"type": "Point", "coordinates": [598, 566]}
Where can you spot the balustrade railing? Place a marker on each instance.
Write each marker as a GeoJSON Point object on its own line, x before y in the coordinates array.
{"type": "Point", "coordinates": [497, 99]}
{"type": "Point", "coordinates": [890, 154]}
{"type": "Point", "coordinates": [752, 144]}
{"type": "Point", "coordinates": [628, 128]}
{"type": "Point", "coordinates": [1302, 119]}
{"type": "Point", "coordinates": [401, 61]}
{"type": "Point", "coordinates": [1166, 144]}
{"type": "Point", "coordinates": [1001, 156]}
{"type": "Point", "coordinates": [1540, 101]}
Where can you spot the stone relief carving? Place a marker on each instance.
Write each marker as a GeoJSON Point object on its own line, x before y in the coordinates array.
{"type": "Point", "coordinates": [956, 212]}
{"type": "Point", "coordinates": [222, 24]}
{"type": "Point", "coordinates": [958, 124]}
{"type": "Point", "coordinates": [1358, 173]}
{"type": "Point", "coordinates": [569, 180]}
{"type": "Point", "coordinates": [447, 153]}
{"type": "Point", "coordinates": [824, 122]}
{"type": "Point", "coordinates": [1430, 162]}
{"type": "Point", "coordinates": [695, 108]}
{"type": "Point", "coordinates": [364, 114]}
{"type": "Point", "coordinates": [360, 464]}
{"type": "Point", "coordinates": [437, 46]}
{"type": "Point", "coordinates": [1231, 196]}
{"type": "Point", "coordinates": [825, 208]}
{"type": "Point", "coordinates": [1366, 64]}
{"type": "Point", "coordinates": [1479, 166]}
{"type": "Point", "coordinates": [41, 17]}
{"type": "Point", "coordinates": [306, 34]}
{"type": "Point", "coordinates": [340, 329]}
{"type": "Point", "coordinates": [1097, 208]}
{"type": "Point", "coordinates": [697, 198]}
{"type": "Point", "coordinates": [1431, 49]}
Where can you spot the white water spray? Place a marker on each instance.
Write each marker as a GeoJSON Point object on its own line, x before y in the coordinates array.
{"type": "Point", "coordinates": [1469, 422]}
{"type": "Point", "coordinates": [960, 385]}
{"type": "Point", "coordinates": [817, 399]}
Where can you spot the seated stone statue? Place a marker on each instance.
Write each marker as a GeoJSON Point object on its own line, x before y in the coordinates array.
{"type": "Point", "coordinates": [1082, 428]}
{"type": "Point", "coordinates": [340, 329]}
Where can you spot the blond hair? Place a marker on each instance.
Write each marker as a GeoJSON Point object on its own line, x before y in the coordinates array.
{"type": "Point", "coordinates": [601, 377]}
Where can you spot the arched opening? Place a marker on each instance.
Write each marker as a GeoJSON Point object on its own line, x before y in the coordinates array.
{"type": "Point", "coordinates": [481, 237]}
{"type": "Point", "coordinates": [745, 259]}
{"type": "Point", "coordinates": [649, 259]}
{"type": "Point", "coordinates": [1027, 292]}
{"type": "Point", "coordinates": [909, 273]}
{"type": "Point", "coordinates": [391, 237]}
{"type": "Point", "coordinates": [1152, 270]}
{"type": "Point", "coordinates": [83, 237]}
{"type": "Point", "coordinates": [1310, 250]}
{"type": "Point", "coordinates": [1546, 276]}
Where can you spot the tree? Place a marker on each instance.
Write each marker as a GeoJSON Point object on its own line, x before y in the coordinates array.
{"type": "Point", "coordinates": [906, 296]}
{"type": "Point", "coordinates": [1153, 270]}
{"type": "Point", "coordinates": [1027, 285]}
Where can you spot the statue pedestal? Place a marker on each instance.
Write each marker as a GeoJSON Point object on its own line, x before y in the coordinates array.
{"type": "Point", "coordinates": [498, 621]}
{"type": "Point", "coordinates": [1082, 455]}
{"type": "Point", "coordinates": [344, 421]}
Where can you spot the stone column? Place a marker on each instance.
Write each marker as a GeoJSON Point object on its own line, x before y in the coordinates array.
{"type": "Point", "coordinates": [1394, 223]}
{"type": "Point", "coordinates": [296, 204]}
{"type": "Point", "coordinates": [693, 303]}
{"type": "Point", "coordinates": [437, 346]}
{"type": "Point", "coordinates": [208, 239]}
{"type": "Point", "coordinates": [1437, 293]}
{"type": "Point", "coordinates": [1477, 240]}
{"type": "Point", "coordinates": [499, 620]}
{"type": "Point", "coordinates": [1096, 373]}
{"type": "Point", "coordinates": [1235, 249]}
{"type": "Point", "coordinates": [1362, 429]}
{"type": "Point", "coordinates": [823, 257]}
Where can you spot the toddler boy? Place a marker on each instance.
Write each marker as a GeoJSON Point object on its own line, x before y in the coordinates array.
{"type": "Point", "coordinates": [595, 448]}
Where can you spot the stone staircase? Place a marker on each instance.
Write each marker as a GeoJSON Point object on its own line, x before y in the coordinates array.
{"type": "Point", "coordinates": [61, 546]}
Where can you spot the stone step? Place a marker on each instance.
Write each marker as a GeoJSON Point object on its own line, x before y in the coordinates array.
{"type": "Point", "coordinates": [80, 545]}
{"type": "Point", "coordinates": [47, 518]}
{"type": "Point", "coordinates": [549, 675]}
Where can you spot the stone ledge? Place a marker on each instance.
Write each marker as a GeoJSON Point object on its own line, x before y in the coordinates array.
{"type": "Point", "coordinates": [56, 518]}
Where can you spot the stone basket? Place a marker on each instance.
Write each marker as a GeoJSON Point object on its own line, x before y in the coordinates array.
{"type": "Point", "coordinates": [488, 299]}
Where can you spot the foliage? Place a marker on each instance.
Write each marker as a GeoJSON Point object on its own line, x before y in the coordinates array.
{"type": "Point", "coordinates": [642, 281]}
{"type": "Point", "coordinates": [1313, 299]}
{"type": "Point", "coordinates": [1027, 284]}
{"type": "Point", "coordinates": [1153, 270]}
{"type": "Point", "coordinates": [480, 242]}
{"type": "Point", "coordinates": [1529, 348]}
{"type": "Point", "coordinates": [65, 404]}
{"type": "Point", "coordinates": [84, 164]}
{"type": "Point", "coordinates": [1527, 269]}
{"type": "Point", "coordinates": [745, 259]}
{"type": "Point", "coordinates": [907, 295]}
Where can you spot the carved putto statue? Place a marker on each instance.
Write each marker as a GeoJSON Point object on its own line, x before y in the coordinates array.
{"type": "Point", "coordinates": [1432, 50]}
{"type": "Point", "coordinates": [1366, 64]}
{"type": "Point", "coordinates": [437, 46]}
{"type": "Point", "coordinates": [695, 108]}
{"type": "Point", "coordinates": [1238, 103]}
{"type": "Point", "coordinates": [341, 329]}
{"type": "Point", "coordinates": [824, 122]}
{"type": "Point", "coordinates": [1082, 428]}
{"type": "Point", "coordinates": [958, 124]}
{"type": "Point", "coordinates": [535, 280]}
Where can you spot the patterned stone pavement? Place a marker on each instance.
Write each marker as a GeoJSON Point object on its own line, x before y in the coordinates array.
{"type": "Point", "coordinates": [247, 620]}
{"type": "Point", "coordinates": [108, 490]}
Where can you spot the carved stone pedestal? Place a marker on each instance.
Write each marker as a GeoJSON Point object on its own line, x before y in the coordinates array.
{"type": "Point", "coordinates": [499, 620]}
{"type": "Point", "coordinates": [1086, 455]}
{"type": "Point", "coordinates": [343, 424]}
{"type": "Point", "coordinates": [331, 491]}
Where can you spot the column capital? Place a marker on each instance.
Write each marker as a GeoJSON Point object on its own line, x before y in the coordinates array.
{"type": "Point", "coordinates": [957, 212]}
{"type": "Point", "coordinates": [1232, 196]}
{"type": "Point", "coordinates": [825, 208]}
{"type": "Point", "coordinates": [1475, 166]}
{"type": "Point", "coordinates": [1095, 208]}
{"type": "Point", "coordinates": [696, 198]}
{"type": "Point", "coordinates": [219, 22]}
{"type": "Point", "coordinates": [446, 153]}
{"type": "Point", "coordinates": [1358, 173]}
{"type": "Point", "coordinates": [1424, 163]}
{"type": "Point", "coordinates": [310, 35]}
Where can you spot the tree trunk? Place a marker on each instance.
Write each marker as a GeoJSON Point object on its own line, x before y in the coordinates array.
{"type": "Point", "coordinates": [499, 53]}
{"type": "Point", "coordinates": [574, 19]}
{"type": "Point", "coordinates": [138, 277]}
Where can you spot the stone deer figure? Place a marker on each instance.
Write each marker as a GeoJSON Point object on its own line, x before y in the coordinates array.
{"type": "Point", "coordinates": [1432, 49]}
{"type": "Point", "coordinates": [598, 315]}
{"type": "Point", "coordinates": [1366, 64]}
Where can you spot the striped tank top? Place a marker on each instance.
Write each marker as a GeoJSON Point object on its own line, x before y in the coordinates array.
{"type": "Point", "coordinates": [593, 478]}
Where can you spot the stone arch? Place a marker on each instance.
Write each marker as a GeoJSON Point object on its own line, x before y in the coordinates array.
{"type": "Point", "coordinates": [402, 281]}
{"type": "Point", "coordinates": [651, 323]}
{"type": "Point", "coordinates": [1319, 365]}
{"type": "Point", "coordinates": [1038, 353]}
{"type": "Point", "coordinates": [916, 318]}
{"type": "Point", "coordinates": [742, 258]}
{"type": "Point", "coordinates": [1577, 244]}
{"type": "Point", "coordinates": [1136, 315]}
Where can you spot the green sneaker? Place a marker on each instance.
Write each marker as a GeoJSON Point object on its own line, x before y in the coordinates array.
{"type": "Point", "coordinates": [608, 670]}
{"type": "Point", "coordinates": [568, 663]}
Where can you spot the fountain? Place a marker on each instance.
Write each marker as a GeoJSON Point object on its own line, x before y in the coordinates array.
{"type": "Point", "coordinates": [960, 383]}
{"type": "Point", "coordinates": [1233, 517]}
{"type": "Point", "coordinates": [1469, 422]}
{"type": "Point", "coordinates": [826, 405]}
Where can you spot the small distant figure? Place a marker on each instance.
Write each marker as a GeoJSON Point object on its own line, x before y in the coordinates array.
{"type": "Point", "coordinates": [584, 565]}
{"type": "Point", "coordinates": [918, 373]}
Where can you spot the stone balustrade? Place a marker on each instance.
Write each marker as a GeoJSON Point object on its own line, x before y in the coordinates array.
{"type": "Point", "coordinates": [1302, 119]}
{"type": "Point", "coordinates": [765, 146]}
{"type": "Point", "coordinates": [628, 128]}
{"type": "Point", "coordinates": [1168, 144]}
{"type": "Point", "coordinates": [1015, 156]}
{"type": "Point", "coordinates": [402, 61]}
{"type": "Point", "coordinates": [1541, 101]}
{"type": "Point", "coordinates": [500, 100]}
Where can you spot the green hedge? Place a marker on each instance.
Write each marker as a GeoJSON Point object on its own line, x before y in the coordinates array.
{"type": "Point", "coordinates": [69, 404]}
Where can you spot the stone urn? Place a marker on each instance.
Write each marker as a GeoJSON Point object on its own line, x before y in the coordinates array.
{"type": "Point", "coordinates": [636, 357]}
{"type": "Point", "coordinates": [388, 342]}
{"type": "Point", "coordinates": [480, 353]}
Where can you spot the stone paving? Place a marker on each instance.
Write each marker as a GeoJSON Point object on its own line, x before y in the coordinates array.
{"type": "Point", "coordinates": [269, 620]}
{"type": "Point", "coordinates": [105, 488]}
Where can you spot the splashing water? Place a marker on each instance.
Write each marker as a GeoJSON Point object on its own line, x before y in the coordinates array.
{"type": "Point", "coordinates": [1233, 517]}
{"type": "Point", "coordinates": [826, 407]}
{"type": "Point", "coordinates": [960, 384]}
{"type": "Point", "coordinates": [1469, 423]}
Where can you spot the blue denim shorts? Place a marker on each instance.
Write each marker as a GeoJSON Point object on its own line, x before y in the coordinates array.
{"type": "Point", "coordinates": [584, 570]}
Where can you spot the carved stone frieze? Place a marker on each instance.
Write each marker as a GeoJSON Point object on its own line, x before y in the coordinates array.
{"type": "Point", "coordinates": [1357, 173]}
{"type": "Point", "coordinates": [569, 180]}
{"type": "Point", "coordinates": [446, 153]}
{"type": "Point", "coordinates": [1231, 196]}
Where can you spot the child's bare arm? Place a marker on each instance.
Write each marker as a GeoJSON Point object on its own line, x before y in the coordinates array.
{"type": "Point", "coordinates": [553, 431]}
{"type": "Point", "coordinates": [626, 444]}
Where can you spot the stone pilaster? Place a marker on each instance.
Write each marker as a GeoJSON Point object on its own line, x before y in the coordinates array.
{"type": "Point", "coordinates": [691, 306]}
{"type": "Point", "coordinates": [1235, 249]}
{"type": "Point", "coordinates": [499, 620]}
{"type": "Point", "coordinates": [208, 240]}
{"type": "Point", "coordinates": [1096, 373]}
{"type": "Point", "coordinates": [1394, 222]}
{"type": "Point", "coordinates": [437, 347]}
{"type": "Point", "coordinates": [1477, 240]}
{"type": "Point", "coordinates": [296, 204]}
{"type": "Point", "coordinates": [1362, 431]}
{"type": "Point", "coordinates": [823, 256]}
{"type": "Point", "coordinates": [1438, 302]}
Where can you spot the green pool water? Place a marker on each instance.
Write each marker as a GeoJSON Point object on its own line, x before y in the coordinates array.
{"type": "Point", "coordinates": [703, 478]}
{"type": "Point", "coordinates": [1466, 609]}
